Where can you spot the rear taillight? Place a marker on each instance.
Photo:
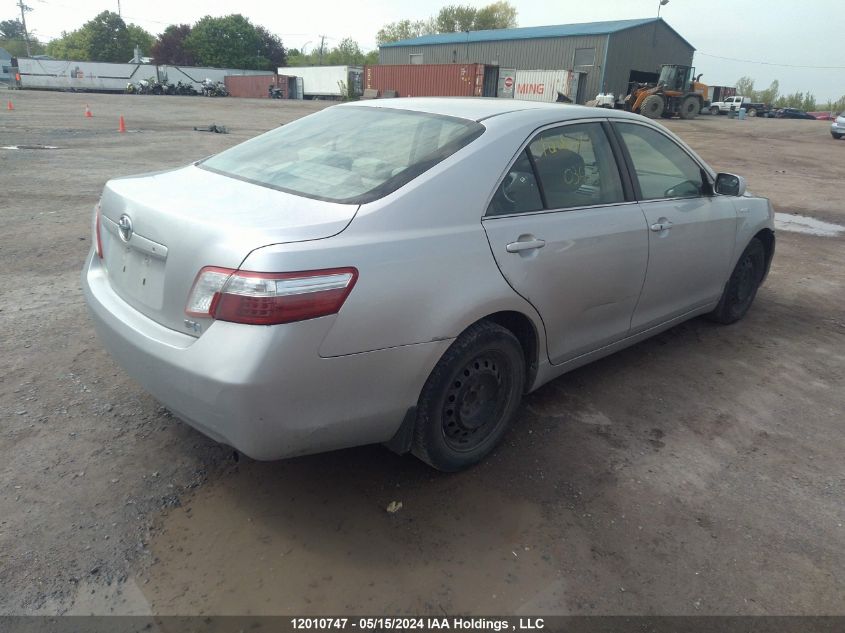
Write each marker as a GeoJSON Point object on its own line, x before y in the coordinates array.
{"type": "Point", "coordinates": [99, 240]}
{"type": "Point", "coordinates": [268, 298]}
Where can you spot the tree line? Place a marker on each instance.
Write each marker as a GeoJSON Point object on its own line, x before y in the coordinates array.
{"type": "Point", "coordinates": [233, 41]}
{"type": "Point", "coordinates": [452, 19]}
{"type": "Point", "coordinates": [801, 100]}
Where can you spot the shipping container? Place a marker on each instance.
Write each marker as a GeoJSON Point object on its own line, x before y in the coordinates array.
{"type": "Point", "coordinates": [427, 80]}
{"type": "Point", "coordinates": [257, 86]}
{"type": "Point", "coordinates": [333, 82]}
{"type": "Point", "coordinates": [545, 85]}
{"type": "Point", "coordinates": [720, 93]}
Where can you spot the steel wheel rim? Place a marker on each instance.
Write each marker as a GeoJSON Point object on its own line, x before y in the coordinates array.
{"type": "Point", "coordinates": [475, 401]}
{"type": "Point", "coordinates": [745, 281]}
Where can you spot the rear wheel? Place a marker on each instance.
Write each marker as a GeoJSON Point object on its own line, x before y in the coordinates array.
{"type": "Point", "coordinates": [652, 107]}
{"type": "Point", "coordinates": [742, 287]}
{"type": "Point", "coordinates": [714, 110]}
{"type": "Point", "coordinates": [836, 135]}
{"type": "Point", "coordinates": [752, 112]}
{"type": "Point", "coordinates": [470, 398]}
{"type": "Point", "coordinates": [690, 107]}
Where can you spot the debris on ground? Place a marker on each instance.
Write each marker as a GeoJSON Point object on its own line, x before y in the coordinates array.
{"type": "Point", "coordinates": [217, 129]}
{"type": "Point", "coordinates": [394, 506]}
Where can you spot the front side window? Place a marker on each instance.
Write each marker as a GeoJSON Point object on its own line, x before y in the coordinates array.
{"type": "Point", "coordinates": [347, 154]}
{"type": "Point", "coordinates": [662, 168]}
{"type": "Point", "coordinates": [575, 166]}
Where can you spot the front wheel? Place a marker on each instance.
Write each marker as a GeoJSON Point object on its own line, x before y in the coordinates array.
{"type": "Point", "coordinates": [742, 287]}
{"type": "Point", "coordinates": [690, 107]}
{"type": "Point", "coordinates": [470, 398]}
{"type": "Point", "coordinates": [652, 107]}
{"type": "Point", "coordinates": [836, 135]}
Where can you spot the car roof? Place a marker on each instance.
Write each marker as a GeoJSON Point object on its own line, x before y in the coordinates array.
{"type": "Point", "coordinates": [480, 108]}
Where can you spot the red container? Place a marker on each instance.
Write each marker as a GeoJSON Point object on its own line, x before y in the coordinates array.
{"type": "Point", "coordinates": [427, 80]}
{"type": "Point", "coordinates": [255, 86]}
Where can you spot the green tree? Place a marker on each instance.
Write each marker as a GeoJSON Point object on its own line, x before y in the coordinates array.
{"type": "Point", "coordinates": [346, 53]}
{"type": "Point", "coordinates": [769, 95]}
{"type": "Point", "coordinates": [169, 47]}
{"type": "Point", "coordinates": [272, 48]}
{"type": "Point", "coordinates": [456, 17]}
{"type": "Point", "coordinates": [13, 39]}
{"type": "Point", "coordinates": [71, 45]}
{"type": "Point", "coordinates": [106, 38]}
{"type": "Point", "coordinates": [498, 15]}
{"type": "Point", "coordinates": [228, 42]}
{"type": "Point", "coordinates": [745, 86]}
{"type": "Point", "coordinates": [836, 106]}
{"type": "Point", "coordinates": [404, 30]}
{"type": "Point", "coordinates": [140, 38]}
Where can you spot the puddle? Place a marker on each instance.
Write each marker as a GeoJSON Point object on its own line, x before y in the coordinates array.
{"type": "Point", "coordinates": [807, 225]}
{"type": "Point", "coordinates": [29, 147]}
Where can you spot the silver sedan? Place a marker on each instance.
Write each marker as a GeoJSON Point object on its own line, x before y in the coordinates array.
{"type": "Point", "coordinates": [403, 271]}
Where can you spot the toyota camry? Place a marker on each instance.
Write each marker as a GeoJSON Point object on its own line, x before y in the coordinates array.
{"type": "Point", "coordinates": [402, 271]}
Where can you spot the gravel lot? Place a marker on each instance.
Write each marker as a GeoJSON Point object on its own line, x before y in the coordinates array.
{"type": "Point", "coordinates": [700, 472]}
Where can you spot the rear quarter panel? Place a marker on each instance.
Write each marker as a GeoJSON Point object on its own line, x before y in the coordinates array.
{"type": "Point", "coordinates": [425, 267]}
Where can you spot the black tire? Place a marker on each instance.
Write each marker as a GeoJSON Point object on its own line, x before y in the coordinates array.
{"type": "Point", "coordinates": [470, 398]}
{"type": "Point", "coordinates": [690, 107]}
{"type": "Point", "coordinates": [836, 135]}
{"type": "Point", "coordinates": [652, 107]}
{"type": "Point", "coordinates": [752, 112]}
{"type": "Point", "coordinates": [742, 287]}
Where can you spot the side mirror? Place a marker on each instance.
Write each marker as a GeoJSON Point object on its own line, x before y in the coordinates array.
{"type": "Point", "coordinates": [729, 185]}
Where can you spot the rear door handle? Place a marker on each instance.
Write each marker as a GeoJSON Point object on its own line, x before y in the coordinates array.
{"type": "Point", "coordinates": [661, 226]}
{"type": "Point", "coordinates": [527, 245]}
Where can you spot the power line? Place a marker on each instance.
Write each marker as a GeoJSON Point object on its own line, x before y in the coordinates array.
{"type": "Point", "coordinates": [751, 61]}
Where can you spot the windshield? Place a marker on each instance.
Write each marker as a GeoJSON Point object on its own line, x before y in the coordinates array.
{"type": "Point", "coordinates": [346, 154]}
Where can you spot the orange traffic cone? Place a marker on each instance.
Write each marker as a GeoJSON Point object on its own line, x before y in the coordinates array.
{"type": "Point", "coordinates": [122, 126]}
{"type": "Point", "coordinates": [9, 105]}
{"type": "Point", "coordinates": [88, 114]}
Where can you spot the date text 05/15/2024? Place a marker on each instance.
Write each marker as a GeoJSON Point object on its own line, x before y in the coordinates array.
{"type": "Point", "coordinates": [418, 624]}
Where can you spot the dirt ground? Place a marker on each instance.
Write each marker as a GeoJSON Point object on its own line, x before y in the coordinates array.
{"type": "Point", "coordinates": [700, 472]}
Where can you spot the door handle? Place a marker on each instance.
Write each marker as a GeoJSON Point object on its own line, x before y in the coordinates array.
{"type": "Point", "coordinates": [665, 225]}
{"type": "Point", "coordinates": [526, 245]}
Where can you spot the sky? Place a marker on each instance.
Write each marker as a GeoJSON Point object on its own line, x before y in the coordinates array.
{"type": "Point", "coordinates": [784, 34]}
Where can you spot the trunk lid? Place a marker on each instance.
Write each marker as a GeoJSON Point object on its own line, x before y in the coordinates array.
{"type": "Point", "coordinates": [182, 220]}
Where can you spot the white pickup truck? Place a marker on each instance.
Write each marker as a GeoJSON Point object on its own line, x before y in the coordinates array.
{"type": "Point", "coordinates": [737, 102]}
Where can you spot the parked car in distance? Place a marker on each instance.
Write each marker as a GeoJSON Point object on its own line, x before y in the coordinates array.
{"type": "Point", "coordinates": [837, 128]}
{"type": "Point", "coordinates": [793, 113]}
{"type": "Point", "coordinates": [402, 271]}
{"type": "Point", "coordinates": [733, 104]}
{"type": "Point", "coordinates": [823, 116]}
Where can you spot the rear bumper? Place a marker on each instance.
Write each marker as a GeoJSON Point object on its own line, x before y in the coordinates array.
{"type": "Point", "coordinates": [836, 128]}
{"type": "Point", "coordinates": [263, 390]}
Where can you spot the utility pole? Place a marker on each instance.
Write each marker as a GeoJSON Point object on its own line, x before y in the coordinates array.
{"type": "Point", "coordinates": [118, 9]}
{"type": "Point", "coordinates": [24, 9]}
{"type": "Point", "coordinates": [322, 42]}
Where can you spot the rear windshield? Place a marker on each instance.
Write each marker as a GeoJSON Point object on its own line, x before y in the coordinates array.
{"type": "Point", "coordinates": [346, 154]}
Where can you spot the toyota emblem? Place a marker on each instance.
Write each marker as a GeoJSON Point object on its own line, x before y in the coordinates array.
{"type": "Point", "coordinates": [124, 228]}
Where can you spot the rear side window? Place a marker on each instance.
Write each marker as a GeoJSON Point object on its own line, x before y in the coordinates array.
{"type": "Point", "coordinates": [347, 154]}
{"type": "Point", "coordinates": [662, 168]}
{"type": "Point", "coordinates": [518, 192]}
